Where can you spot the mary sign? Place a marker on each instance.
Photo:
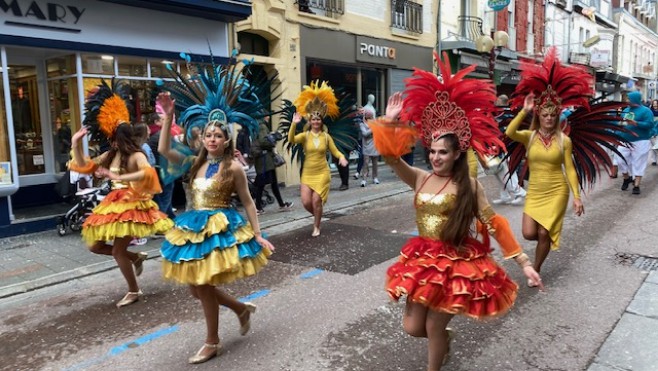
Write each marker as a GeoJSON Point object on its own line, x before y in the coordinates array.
{"type": "Point", "coordinates": [498, 5]}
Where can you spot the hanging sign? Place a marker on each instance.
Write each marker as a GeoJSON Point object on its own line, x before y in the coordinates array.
{"type": "Point", "coordinates": [498, 5]}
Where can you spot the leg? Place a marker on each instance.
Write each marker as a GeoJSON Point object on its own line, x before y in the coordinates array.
{"type": "Point", "coordinates": [317, 214]}
{"type": "Point", "coordinates": [242, 310]}
{"type": "Point", "coordinates": [373, 159]}
{"type": "Point", "coordinates": [101, 248]}
{"type": "Point", "coordinates": [543, 247]}
{"type": "Point", "coordinates": [438, 339]}
{"type": "Point", "coordinates": [307, 198]}
{"type": "Point", "coordinates": [260, 186]}
{"type": "Point", "coordinates": [206, 293]}
{"type": "Point", "coordinates": [274, 184]}
{"type": "Point", "coordinates": [125, 259]}
{"type": "Point", "coordinates": [414, 319]}
{"type": "Point", "coordinates": [529, 228]}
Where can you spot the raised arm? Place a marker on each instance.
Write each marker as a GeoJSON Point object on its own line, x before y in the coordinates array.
{"type": "Point", "coordinates": [406, 173]}
{"type": "Point", "coordinates": [512, 130]}
{"type": "Point", "coordinates": [292, 138]}
{"type": "Point", "coordinates": [164, 144]}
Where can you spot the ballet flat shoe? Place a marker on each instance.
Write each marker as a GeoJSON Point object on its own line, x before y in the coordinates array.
{"type": "Point", "coordinates": [130, 298]}
{"type": "Point", "coordinates": [139, 263]}
{"type": "Point", "coordinates": [199, 358]}
{"type": "Point", "coordinates": [250, 308]}
{"type": "Point", "coordinates": [451, 335]}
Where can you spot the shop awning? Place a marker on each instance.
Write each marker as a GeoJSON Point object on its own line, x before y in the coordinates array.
{"type": "Point", "coordinates": [220, 10]}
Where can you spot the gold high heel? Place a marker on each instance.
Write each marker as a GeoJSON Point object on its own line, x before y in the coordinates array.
{"type": "Point", "coordinates": [451, 335]}
{"type": "Point", "coordinates": [249, 308]}
{"type": "Point", "coordinates": [139, 263]}
{"type": "Point", "coordinates": [130, 298]}
{"type": "Point", "coordinates": [199, 358]}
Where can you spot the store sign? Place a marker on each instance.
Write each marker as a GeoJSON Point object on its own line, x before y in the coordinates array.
{"type": "Point", "coordinates": [600, 58]}
{"type": "Point", "coordinates": [498, 5]}
{"type": "Point", "coordinates": [53, 13]}
{"type": "Point", "coordinates": [378, 51]}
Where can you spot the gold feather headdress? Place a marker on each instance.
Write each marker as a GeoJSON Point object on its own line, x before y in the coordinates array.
{"type": "Point", "coordinates": [317, 100]}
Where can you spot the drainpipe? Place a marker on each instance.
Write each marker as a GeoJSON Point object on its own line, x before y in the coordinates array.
{"type": "Point", "coordinates": [438, 29]}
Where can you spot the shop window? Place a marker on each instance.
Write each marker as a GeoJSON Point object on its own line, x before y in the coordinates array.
{"type": "Point", "coordinates": [159, 67]}
{"type": "Point", "coordinates": [5, 161]}
{"type": "Point", "coordinates": [26, 119]}
{"type": "Point", "coordinates": [407, 15]}
{"type": "Point", "coordinates": [253, 44]}
{"type": "Point", "coordinates": [371, 83]}
{"type": "Point", "coordinates": [64, 114]}
{"type": "Point", "coordinates": [132, 66]}
{"type": "Point", "coordinates": [97, 64]}
{"type": "Point", "coordinates": [61, 66]}
{"type": "Point", "coordinates": [342, 78]}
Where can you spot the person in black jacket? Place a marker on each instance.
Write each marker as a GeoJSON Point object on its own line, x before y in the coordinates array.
{"type": "Point", "coordinates": [262, 153]}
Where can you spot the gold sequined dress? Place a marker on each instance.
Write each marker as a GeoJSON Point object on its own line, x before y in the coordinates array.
{"type": "Point", "coordinates": [212, 243]}
{"type": "Point", "coordinates": [463, 280]}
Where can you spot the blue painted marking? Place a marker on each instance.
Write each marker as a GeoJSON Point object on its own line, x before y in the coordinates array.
{"type": "Point", "coordinates": [122, 348]}
{"type": "Point", "coordinates": [310, 274]}
{"type": "Point", "coordinates": [255, 295]}
{"type": "Point", "coordinates": [414, 233]}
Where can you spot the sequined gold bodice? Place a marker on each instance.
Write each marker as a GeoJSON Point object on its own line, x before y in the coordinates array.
{"type": "Point", "coordinates": [117, 184]}
{"type": "Point", "coordinates": [212, 193]}
{"type": "Point", "coordinates": [432, 211]}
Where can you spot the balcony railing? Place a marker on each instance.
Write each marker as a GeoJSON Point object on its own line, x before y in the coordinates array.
{"type": "Point", "coordinates": [328, 8]}
{"type": "Point", "coordinates": [407, 15]}
{"type": "Point", "coordinates": [470, 28]}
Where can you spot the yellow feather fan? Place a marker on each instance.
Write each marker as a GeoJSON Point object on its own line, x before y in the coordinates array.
{"type": "Point", "coordinates": [317, 100]}
{"type": "Point", "coordinates": [112, 113]}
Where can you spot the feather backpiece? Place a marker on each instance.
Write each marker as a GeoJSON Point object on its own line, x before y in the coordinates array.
{"type": "Point", "coordinates": [106, 107]}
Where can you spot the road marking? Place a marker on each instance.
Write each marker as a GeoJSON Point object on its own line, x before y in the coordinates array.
{"type": "Point", "coordinates": [255, 295]}
{"type": "Point", "coordinates": [310, 274]}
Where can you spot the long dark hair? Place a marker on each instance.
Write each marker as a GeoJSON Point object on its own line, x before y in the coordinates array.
{"type": "Point", "coordinates": [123, 143]}
{"type": "Point", "coordinates": [457, 227]}
{"type": "Point", "coordinates": [203, 153]}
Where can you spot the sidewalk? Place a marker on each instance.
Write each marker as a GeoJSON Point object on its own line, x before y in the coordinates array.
{"type": "Point", "coordinates": [32, 261]}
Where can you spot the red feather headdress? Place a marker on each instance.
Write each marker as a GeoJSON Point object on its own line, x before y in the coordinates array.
{"type": "Point", "coordinates": [554, 85]}
{"type": "Point", "coordinates": [452, 104]}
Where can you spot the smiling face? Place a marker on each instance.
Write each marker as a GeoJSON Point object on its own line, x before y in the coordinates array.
{"type": "Point", "coordinates": [214, 140]}
{"type": "Point", "coordinates": [316, 123]}
{"type": "Point", "coordinates": [443, 156]}
{"type": "Point", "coordinates": [548, 119]}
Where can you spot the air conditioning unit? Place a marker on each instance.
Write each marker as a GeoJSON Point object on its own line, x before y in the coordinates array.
{"type": "Point", "coordinates": [561, 3]}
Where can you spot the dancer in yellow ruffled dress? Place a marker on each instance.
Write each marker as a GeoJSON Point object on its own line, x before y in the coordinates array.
{"type": "Point", "coordinates": [127, 211]}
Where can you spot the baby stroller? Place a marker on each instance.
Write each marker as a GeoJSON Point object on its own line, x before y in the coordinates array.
{"type": "Point", "coordinates": [86, 199]}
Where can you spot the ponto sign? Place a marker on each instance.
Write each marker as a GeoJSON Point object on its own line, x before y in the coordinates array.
{"type": "Point", "coordinates": [377, 51]}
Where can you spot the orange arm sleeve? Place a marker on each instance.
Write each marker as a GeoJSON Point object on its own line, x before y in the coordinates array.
{"type": "Point", "coordinates": [149, 184]}
{"type": "Point", "coordinates": [392, 138]}
{"type": "Point", "coordinates": [89, 168]}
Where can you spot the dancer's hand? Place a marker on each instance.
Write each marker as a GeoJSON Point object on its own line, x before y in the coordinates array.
{"type": "Point", "coordinates": [296, 118]}
{"type": "Point", "coordinates": [533, 277]}
{"type": "Point", "coordinates": [79, 134]}
{"type": "Point", "coordinates": [265, 243]}
{"type": "Point", "coordinates": [343, 161]}
{"type": "Point", "coordinates": [166, 102]}
{"type": "Point", "coordinates": [394, 106]}
{"type": "Point", "coordinates": [529, 103]}
{"type": "Point", "coordinates": [578, 207]}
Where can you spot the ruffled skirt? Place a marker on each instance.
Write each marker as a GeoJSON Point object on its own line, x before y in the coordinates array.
{"type": "Point", "coordinates": [209, 247]}
{"type": "Point", "coordinates": [123, 213]}
{"type": "Point", "coordinates": [467, 281]}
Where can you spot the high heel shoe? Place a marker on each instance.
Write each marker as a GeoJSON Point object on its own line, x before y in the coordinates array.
{"type": "Point", "coordinates": [451, 335]}
{"type": "Point", "coordinates": [130, 298]}
{"type": "Point", "coordinates": [200, 358]}
{"type": "Point", "coordinates": [249, 309]}
{"type": "Point", "coordinates": [139, 263]}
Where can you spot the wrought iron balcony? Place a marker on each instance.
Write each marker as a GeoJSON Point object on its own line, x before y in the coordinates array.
{"type": "Point", "coordinates": [470, 28]}
{"type": "Point", "coordinates": [327, 8]}
{"type": "Point", "coordinates": [407, 15]}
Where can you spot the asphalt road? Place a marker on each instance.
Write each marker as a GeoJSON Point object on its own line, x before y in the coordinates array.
{"type": "Point", "coordinates": [321, 304]}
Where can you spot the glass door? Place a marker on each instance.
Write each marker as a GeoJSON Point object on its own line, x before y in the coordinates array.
{"type": "Point", "coordinates": [24, 91]}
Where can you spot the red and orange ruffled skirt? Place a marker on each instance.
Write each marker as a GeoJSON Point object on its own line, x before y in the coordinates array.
{"type": "Point", "coordinates": [466, 281]}
{"type": "Point", "coordinates": [124, 213]}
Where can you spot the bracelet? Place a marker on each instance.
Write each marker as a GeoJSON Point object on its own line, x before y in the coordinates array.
{"type": "Point", "coordinates": [523, 260]}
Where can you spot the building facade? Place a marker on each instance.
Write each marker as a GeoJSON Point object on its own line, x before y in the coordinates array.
{"type": "Point", "coordinates": [362, 47]}
{"type": "Point", "coordinates": [52, 52]}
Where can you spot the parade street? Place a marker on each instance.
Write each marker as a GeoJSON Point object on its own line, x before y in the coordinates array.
{"type": "Point", "coordinates": [321, 303]}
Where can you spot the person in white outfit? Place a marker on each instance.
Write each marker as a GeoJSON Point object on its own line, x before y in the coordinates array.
{"type": "Point", "coordinates": [511, 193]}
{"type": "Point", "coordinates": [370, 154]}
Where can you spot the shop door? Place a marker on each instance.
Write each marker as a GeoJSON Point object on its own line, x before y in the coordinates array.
{"type": "Point", "coordinates": [28, 133]}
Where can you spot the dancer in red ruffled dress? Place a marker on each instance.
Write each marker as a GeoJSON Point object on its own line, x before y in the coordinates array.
{"type": "Point", "coordinates": [448, 269]}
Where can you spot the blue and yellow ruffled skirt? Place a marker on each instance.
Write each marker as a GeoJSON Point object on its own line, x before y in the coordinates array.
{"type": "Point", "coordinates": [210, 247]}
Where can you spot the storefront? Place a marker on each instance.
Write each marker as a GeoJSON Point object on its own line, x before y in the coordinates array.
{"type": "Point", "coordinates": [360, 65]}
{"type": "Point", "coordinates": [52, 52]}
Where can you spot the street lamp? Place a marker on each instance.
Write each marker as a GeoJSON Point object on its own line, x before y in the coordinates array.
{"type": "Point", "coordinates": [493, 46]}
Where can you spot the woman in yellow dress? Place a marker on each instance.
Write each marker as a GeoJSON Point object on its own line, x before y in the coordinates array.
{"type": "Point", "coordinates": [548, 149]}
{"type": "Point", "coordinates": [128, 211]}
{"type": "Point", "coordinates": [315, 142]}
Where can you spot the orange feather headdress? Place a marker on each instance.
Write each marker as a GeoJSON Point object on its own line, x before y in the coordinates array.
{"type": "Point", "coordinates": [106, 108]}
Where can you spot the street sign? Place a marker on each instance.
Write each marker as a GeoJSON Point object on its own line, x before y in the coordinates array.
{"type": "Point", "coordinates": [498, 5]}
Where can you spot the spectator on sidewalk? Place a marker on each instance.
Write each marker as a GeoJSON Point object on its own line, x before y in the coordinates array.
{"type": "Point", "coordinates": [511, 192]}
{"type": "Point", "coordinates": [370, 154]}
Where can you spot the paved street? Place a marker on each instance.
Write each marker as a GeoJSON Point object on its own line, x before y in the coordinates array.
{"type": "Point", "coordinates": [320, 301]}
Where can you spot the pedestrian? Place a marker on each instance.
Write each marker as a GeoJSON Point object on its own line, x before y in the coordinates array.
{"type": "Point", "coordinates": [654, 139]}
{"type": "Point", "coordinates": [370, 154]}
{"type": "Point", "coordinates": [448, 269]}
{"type": "Point", "coordinates": [262, 152]}
{"type": "Point", "coordinates": [358, 119]}
{"type": "Point", "coordinates": [315, 102]}
{"type": "Point", "coordinates": [128, 211]}
{"type": "Point", "coordinates": [637, 155]}
{"type": "Point", "coordinates": [211, 243]}
{"type": "Point", "coordinates": [163, 199]}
